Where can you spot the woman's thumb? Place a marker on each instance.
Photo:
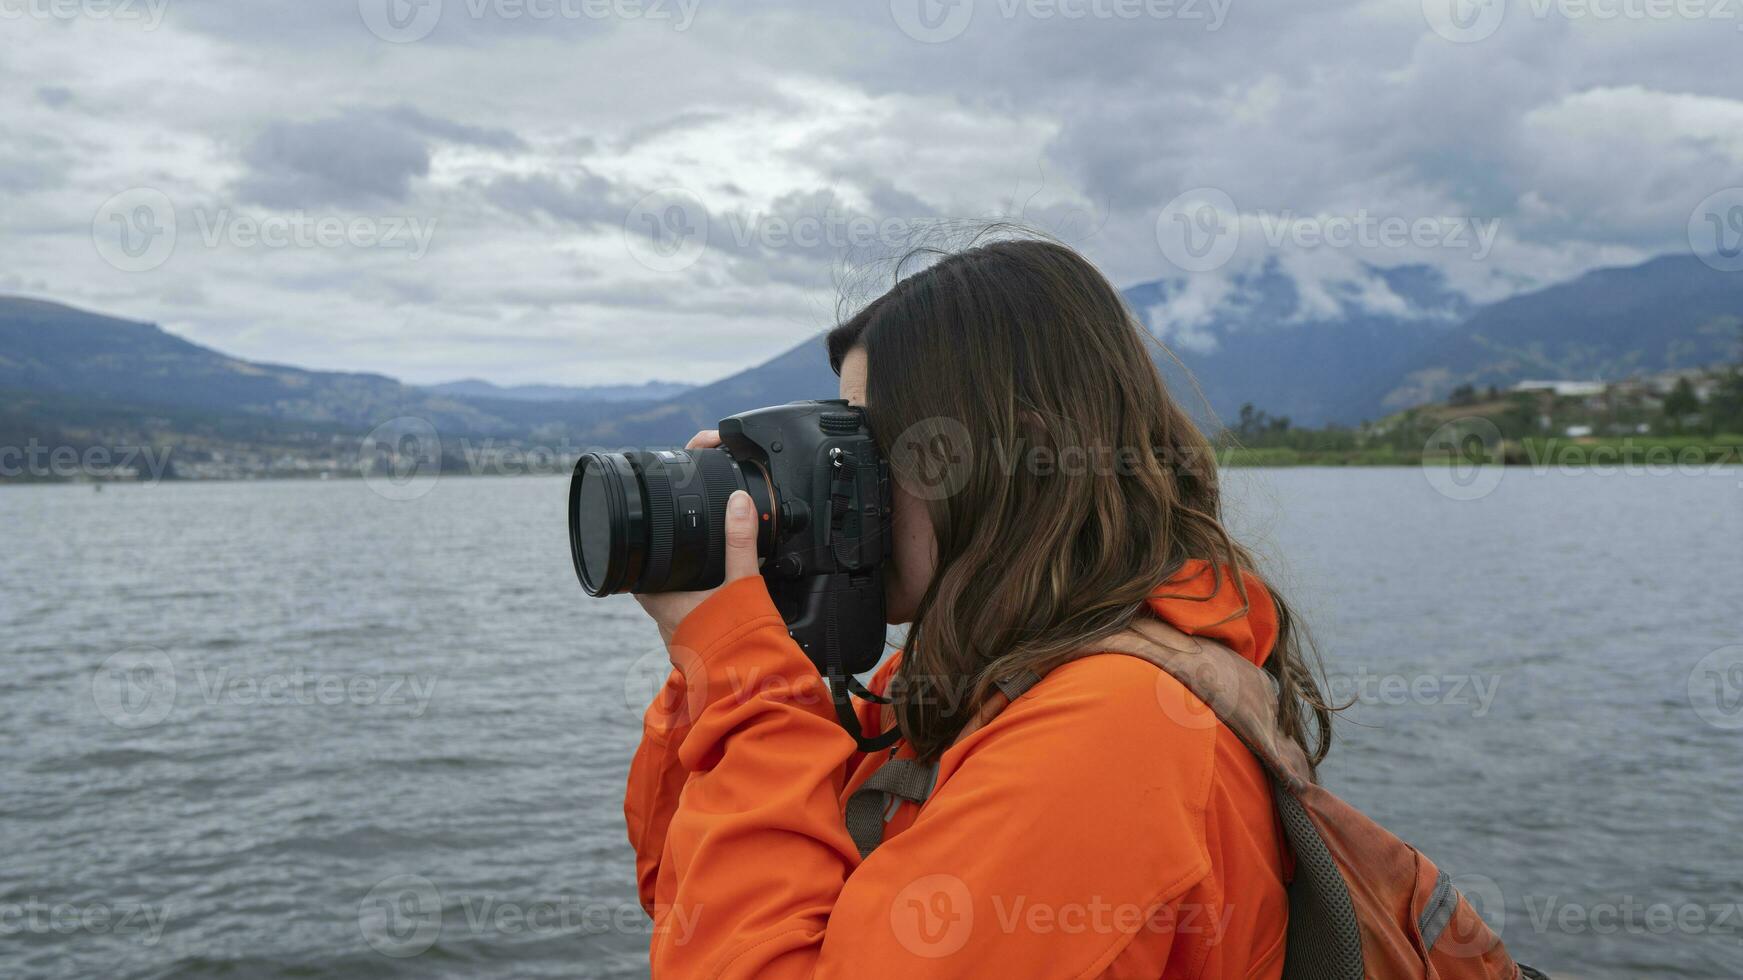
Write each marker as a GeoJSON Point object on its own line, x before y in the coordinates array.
{"type": "Point", "coordinates": [741, 537]}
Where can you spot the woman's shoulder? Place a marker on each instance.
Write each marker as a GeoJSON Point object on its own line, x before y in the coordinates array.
{"type": "Point", "coordinates": [1115, 707]}
{"type": "Point", "coordinates": [1111, 704]}
{"type": "Point", "coordinates": [1092, 736]}
{"type": "Point", "coordinates": [1125, 687]}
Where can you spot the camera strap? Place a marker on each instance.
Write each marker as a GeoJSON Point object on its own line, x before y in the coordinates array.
{"type": "Point", "coordinates": [859, 690]}
{"type": "Point", "coordinates": [842, 687]}
{"type": "Point", "coordinates": [839, 693]}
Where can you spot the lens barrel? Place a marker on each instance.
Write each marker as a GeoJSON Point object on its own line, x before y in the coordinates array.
{"type": "Point", "coordinates": [656, 521]}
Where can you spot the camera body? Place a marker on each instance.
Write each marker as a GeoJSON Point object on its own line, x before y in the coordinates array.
{"type": "Point", "coordinates": [651, 522]}
{"type": "Point", "coordinates": [825, 555]}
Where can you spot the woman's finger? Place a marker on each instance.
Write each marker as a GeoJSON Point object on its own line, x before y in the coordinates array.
{"type": "Point", "coordinates": [706, 439]}
{"type": "Point", "coordinates": [741, 537]}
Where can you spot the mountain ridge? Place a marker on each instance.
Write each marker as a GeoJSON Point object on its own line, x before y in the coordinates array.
{"type": "Point", "coordinates": [1349, 352]}
{"type": "Point", "coordinates": [655, 390]}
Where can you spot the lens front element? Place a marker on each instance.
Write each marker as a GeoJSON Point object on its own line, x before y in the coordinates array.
{"type": "Point", "coordinates": [606, 523]}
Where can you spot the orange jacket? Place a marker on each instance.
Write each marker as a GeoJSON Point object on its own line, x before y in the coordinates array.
{"type": "Point", "coordinates": [1102, 825]}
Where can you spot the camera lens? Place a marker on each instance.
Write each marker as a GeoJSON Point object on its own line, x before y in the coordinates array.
{"type": "Point", "coordinates": [593, 517]}
{"type": "Point", "coordinates": [656, 521]}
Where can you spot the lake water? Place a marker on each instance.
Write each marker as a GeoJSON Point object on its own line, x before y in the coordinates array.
{"type": "Point", "coordinates": [262, 730]}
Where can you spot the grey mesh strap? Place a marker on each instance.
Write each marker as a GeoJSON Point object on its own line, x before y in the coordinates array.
{"type": "Point", "coordinates": [872, 805]}
{"type": "Point", "coordinates": [1323, 939]}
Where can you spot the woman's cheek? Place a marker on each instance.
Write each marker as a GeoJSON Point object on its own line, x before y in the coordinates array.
{"type": "Point", "coordinates": [913, 557]}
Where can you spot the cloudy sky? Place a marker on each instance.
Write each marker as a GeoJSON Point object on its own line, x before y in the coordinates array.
{"type": "Point", "coordinates": [595, 191]}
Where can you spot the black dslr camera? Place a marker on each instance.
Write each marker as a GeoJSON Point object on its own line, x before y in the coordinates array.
{"type": "Point", "coordinates": [654, 521]}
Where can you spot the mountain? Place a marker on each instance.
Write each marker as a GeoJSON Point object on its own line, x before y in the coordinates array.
{"type": "Point", "coordinates": [1671, 312]}
{"type": "Point", "coordinates": [647, 391]}
{"type": "Point", "coordinates": [53, 349]}
{"type": "Point", "coordinates": [1257, 348]}
{"type": "Point", "coordinates": [1314, 359]}
{"type": "Point", "coordinates": [1346, 352]}
{"type": "Point", "coordinates": [800, 373]}
{"type": "Point", "coordinates": [1337, 353]}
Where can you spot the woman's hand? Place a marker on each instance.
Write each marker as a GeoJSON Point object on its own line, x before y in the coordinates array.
{"type": "Point", "coordinates": [668, 609]}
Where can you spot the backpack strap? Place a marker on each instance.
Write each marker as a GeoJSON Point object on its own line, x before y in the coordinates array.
{"type": "Point", "coordinates": [873, 805]}
{"type": "Point", "coordinates": [875, 802]}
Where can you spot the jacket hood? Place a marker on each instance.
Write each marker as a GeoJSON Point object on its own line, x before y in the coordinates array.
{"type": "Point", "coordinates": [1200, 602]}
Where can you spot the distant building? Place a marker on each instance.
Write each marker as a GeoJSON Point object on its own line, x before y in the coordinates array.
{"type": "Point", "coordinates": [1563, 389]}
{"type": "Point", "coordinates": [1702, 383]}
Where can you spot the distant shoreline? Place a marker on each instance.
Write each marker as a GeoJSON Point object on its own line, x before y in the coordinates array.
{"type": "Point", "coordinates": [1537, 456]}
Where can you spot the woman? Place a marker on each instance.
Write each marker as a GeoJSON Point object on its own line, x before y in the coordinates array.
{"type": "Point", "coordinates": [1049, 494]}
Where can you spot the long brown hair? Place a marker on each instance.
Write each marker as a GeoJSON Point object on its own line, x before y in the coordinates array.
{"type": "Point", "coordinates": [1014, 393]}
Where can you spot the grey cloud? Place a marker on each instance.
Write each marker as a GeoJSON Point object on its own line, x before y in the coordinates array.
{"type": "Point", "coordinates": [35, 164]}
{"type": "Point", "coordinates": [19, 175]}
{"type": "Point", "coordinates": [485, 136]}
{"type": "Point", "coordinates": [358, 156]}
{"type": "Point", "coordinates": [461, 23]}
{"type": "Point", "coordinates": [670, 124]}
{"type": "Point", "coordinates": [1303, 105]}
{"type": "Point", "coordinates": [331, 161]}
{"type": "Point", "coordinates": [888, 199]}
{"type": "Point", "coordinates": [809, 239]}
{"type": "Point", "coordinates": [584, 200]}
{"type": "Point", "coordinates": [654, 296]}
{"type": "Point", "coordinates": [264, 22]}
{"type": "Point", "coordinates": [54, 96]}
